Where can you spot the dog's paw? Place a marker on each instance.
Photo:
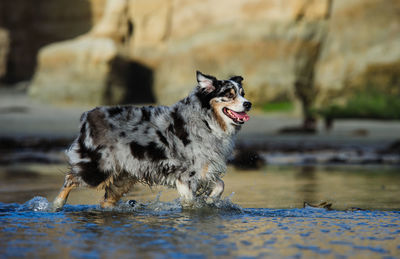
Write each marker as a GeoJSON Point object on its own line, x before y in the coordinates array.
{"type": "Point", "coordinates": [55, 208]}
{"type": "Point", "coordinates": [210, 200]}
{"type": "Point", "coordinates": [187, 204]}
{"type": "Point", "coordinates": [57, 205]}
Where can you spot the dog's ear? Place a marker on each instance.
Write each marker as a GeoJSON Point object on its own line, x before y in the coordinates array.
{"type": "Point", "coordinates": [206, 82]}
{"type": "Point", "coordinates": [237, 79]}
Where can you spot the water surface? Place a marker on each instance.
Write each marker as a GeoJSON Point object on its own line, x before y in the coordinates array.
{"type": "Point", "coordinates": [264, 218]}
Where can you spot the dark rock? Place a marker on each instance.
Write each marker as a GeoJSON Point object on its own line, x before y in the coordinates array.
{"type": "Point", "coordinates": [394, 148]}
{"type": "Point", "coordinates": [247, 159]}
{"type": "Point", "coordinates": [297, 130]}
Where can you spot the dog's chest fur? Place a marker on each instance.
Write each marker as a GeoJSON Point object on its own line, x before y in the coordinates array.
{"type": "Point", "coordinates": [157, 145]}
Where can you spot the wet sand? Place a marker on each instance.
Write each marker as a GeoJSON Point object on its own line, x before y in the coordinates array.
{"type": "Point", "coordinates": [22, 117]}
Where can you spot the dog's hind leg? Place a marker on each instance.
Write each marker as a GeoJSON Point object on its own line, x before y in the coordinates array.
{"type": "Point", "coordinates": [62, 197]}
{"type": "Point", "coordinates": [115, 190]}
{"type": "Point", "coordinates": [111, 197]}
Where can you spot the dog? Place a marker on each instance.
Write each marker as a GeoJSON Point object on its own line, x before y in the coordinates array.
{"type": "Point", "coordinates": [183, 146]}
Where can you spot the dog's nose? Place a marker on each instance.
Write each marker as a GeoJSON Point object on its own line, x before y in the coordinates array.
{"type": "Point", "coordinates": [247, 105]}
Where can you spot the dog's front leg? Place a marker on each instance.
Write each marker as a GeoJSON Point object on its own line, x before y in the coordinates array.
{"type": "Point", "coordinates": [185, 191]}
{"type": "Point", "coordinates": [217, 188]}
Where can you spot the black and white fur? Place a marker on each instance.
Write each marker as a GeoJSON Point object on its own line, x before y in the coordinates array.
{"type": "Point", "coordinates": [185, 145]}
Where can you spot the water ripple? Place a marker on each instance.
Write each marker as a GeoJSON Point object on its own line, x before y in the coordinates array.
{"type": "Point", "coordinates": [163, 229]}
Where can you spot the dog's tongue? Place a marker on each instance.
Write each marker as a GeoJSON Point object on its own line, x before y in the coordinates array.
{"type": "Point", "coordinates": [242, 116]}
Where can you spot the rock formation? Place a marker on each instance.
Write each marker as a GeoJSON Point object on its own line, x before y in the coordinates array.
{"type": "Point", "coordinates": [81, 70]}
{"type": "Point", "coordinates": [361, 35]}
{"type": "Point", "coordinates": [267, 42]}
{"type": "Point", "coordinates": [294, 50]}
{"type": "Point", "coordinates": [34, 24]}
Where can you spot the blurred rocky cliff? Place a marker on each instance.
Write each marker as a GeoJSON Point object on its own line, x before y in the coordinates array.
{"type": "Point", "coordinates": [26, 26]}
{"type": "Point", "coordinates": [149, 50]}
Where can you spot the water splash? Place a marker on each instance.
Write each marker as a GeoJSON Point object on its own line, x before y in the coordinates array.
{"type": "Point", "coordinates": [36, 204]}
{"type": "Point", "coordinates": [226, 204]}
{"type": "Point", "coordinates": [156, 206]}
{"type": "Point", "coordinates": [223, 206]}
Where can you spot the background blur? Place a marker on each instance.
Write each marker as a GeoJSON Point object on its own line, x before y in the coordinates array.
{"type": "Point", "coordinates": [307, 64]}
{"type": "Point", "coordinates": [327, 58]}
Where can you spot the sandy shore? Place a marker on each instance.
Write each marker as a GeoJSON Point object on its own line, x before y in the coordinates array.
{"type": "Point", "coordinates": [22, 117]}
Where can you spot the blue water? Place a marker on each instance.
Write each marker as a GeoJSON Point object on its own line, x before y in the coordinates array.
{"type": "Point", "coordinates": [158, 229]}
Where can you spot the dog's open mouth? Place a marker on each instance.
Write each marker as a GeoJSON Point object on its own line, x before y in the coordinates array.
{"type": "Point", "coordinates": [237, 117]}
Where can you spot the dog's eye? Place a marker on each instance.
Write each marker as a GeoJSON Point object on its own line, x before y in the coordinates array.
{"type": "Point", "coordinates": [229, 95]}
{"type": "Point", "coordinates": [241, 92]}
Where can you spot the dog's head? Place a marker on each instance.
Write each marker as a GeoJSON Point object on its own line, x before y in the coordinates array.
{"type": "Point", "coordinates": [225, 98]}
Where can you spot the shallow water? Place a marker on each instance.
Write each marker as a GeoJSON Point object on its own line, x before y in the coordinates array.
{"type": "Point", "coordinates": [263, 218]}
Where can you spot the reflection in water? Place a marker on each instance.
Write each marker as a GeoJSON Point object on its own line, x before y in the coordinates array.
{"type": "Point", "coordinates": [271, 222]}
{"type": "Point", "coordinates": [308, 190]}
{"type": "Point", "coordinates": [269, 187]}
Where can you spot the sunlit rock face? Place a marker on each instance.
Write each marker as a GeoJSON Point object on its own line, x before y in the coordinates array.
{"type": "Point", "coordinates": [363, 37]}
{"type": "Point", "coordinates": [79, 71]}
{"type": "Point", "coordinates": [269, 42]}
{"type": "Point", "coordinates": [74, 71]}
{"type": "Point", "coordinates": [283, 49]}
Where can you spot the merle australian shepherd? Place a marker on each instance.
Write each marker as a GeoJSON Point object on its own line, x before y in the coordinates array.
{"type": "Point", "coordinates": [185, 145]}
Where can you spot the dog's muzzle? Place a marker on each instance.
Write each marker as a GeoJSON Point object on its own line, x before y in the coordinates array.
{"type": "Point", "coordinates": [247, 106]}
